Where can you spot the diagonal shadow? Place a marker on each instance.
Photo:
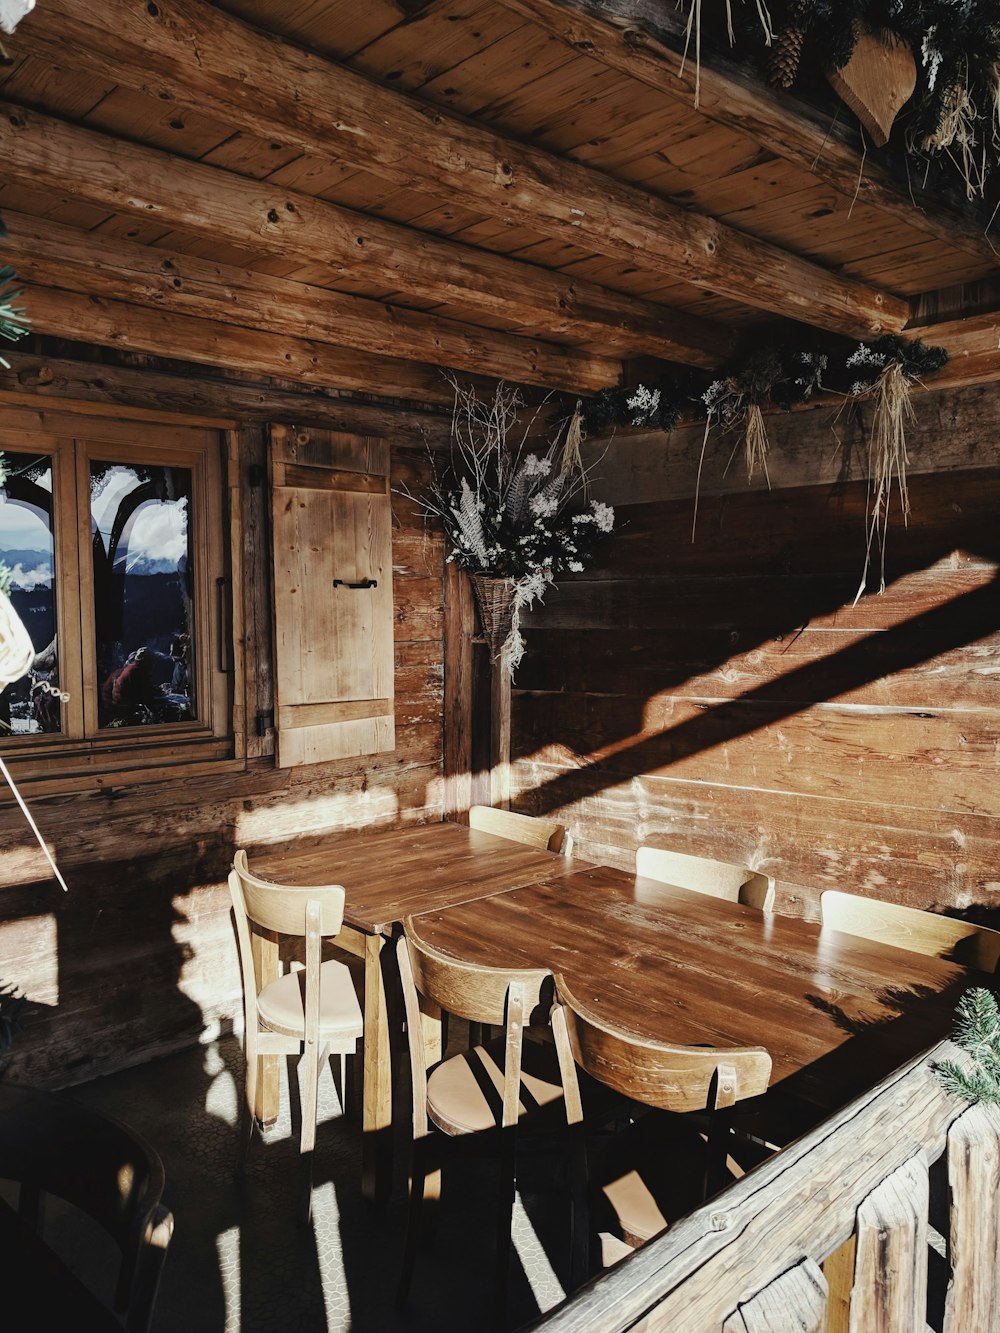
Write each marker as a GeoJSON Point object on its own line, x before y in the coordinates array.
{"type": "Point", "coordinates": [907, 644]}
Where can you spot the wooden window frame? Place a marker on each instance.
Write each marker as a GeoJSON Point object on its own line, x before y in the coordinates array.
{"type": "Point", "coordinates": [81, 755]}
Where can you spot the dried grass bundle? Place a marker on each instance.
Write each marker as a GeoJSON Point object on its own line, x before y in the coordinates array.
{"type": "Point", "coordinates": [887, 461]}
{"type": "Point", "coordinates": [694, 26]}
{"type": "Point", "coordinates": [755, 443]}
{"type": "Point", "coordinates": [956, 134]}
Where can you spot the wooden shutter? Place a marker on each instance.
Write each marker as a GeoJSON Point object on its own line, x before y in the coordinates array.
{"type": "Point", "coordinates": [332, 539]}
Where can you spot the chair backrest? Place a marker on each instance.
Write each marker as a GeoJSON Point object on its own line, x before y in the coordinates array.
{"type": "Point", "coordinates": [928, 933]}
{"type": "Point", "coordinates": [495, 995]}
{"type": "Point", "coordinates": [673, 1078]}
{"type": "Point", "coordinates": [703, 875]}
{"type": "Point", "coordinates": [50, 1144]}
{"type": "Point", "coordinates": [545, 834]}
{"type": "Point", "coordinates": [282, 907]}
{"type": "Point", "coordinates": [312, 913]}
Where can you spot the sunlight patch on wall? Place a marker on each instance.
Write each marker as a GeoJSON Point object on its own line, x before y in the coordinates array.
{"type": "Point", "coordinates": [31, 944]}
{"type": "Point", "coordinates": [285, 819]}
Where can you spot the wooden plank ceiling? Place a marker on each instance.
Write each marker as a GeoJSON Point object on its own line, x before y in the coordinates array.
{"type": "Point", "coordinates": [359, 194]}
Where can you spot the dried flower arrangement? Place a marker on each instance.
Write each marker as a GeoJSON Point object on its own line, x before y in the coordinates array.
{"type": "Point", "coordinates": [515, 518]}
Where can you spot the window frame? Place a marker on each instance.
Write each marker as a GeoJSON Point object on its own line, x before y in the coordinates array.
{"type": "Point", "coordinates": [81, 751]}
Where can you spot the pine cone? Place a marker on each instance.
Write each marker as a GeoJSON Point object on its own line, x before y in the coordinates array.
{"type": "Point", "coordinates": [783, 58]}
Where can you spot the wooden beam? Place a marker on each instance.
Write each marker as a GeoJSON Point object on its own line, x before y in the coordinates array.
{"type": "Point", "coordinates": [973, 346]}
{"type": "Point", "coordinates": [116, 324]}
{"type": "Point", "coordinates": [199, 57]}
{"type": "Point", "coordinates": [149, 394]}
{"type": "Point", "coordinates": [52, 255]}
{"type": "Point", "coordinates": [43, 153]}
{"type": "Point", "coordinates": [645, 39]}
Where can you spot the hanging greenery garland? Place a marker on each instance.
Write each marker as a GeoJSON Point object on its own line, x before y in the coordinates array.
{"type": "Point", "coordinates": [768, 378]}
{"type": "Point", "coordinates": [954, 114]}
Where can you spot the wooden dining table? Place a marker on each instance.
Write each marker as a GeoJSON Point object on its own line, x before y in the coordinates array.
{"type": "Point", "coordinates": [389, 875]}
{"type": "Point", "coordinates": [837, 1013]}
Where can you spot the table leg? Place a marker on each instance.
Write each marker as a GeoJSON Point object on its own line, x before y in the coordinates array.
{"type": "Point", "coordinates": [267, 968]}
{"type": "Point", "coordinates": [376, 1146]}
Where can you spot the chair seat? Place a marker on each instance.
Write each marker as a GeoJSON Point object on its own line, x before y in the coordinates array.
{"type": "Point", "coordinates": [465, 1092]}
{"type": "Point", "coordinates": [280, 1005]}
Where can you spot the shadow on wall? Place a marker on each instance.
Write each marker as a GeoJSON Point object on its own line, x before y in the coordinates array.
{"type": "Point", "coordinates": [669, 628]}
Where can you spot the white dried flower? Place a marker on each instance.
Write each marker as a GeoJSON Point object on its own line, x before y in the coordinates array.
{"type": "Point", "coordinates": [604, 515]}
{"type": "Point", "coordinates": [643, 403]}
{"type": "Point", "coordinates": [542, 505]}
{"type": "Point", "coordinates": [864, 356]}
{"type": "Point", "coordinates": [714, 394]}
{"type": "Point", "coordinates": [574, 566]}
{"type": "Point", "coordinates": [537, 467]}
{"type": "Point", "coordinates": [931, 57]}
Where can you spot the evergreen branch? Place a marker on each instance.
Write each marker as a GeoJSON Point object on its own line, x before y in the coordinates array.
{"type": "Point", "coordinates": [977, 1031]}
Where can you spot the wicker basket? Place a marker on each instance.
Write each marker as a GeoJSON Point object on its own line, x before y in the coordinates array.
{"type": "Point", "coordinates": [495, 599]}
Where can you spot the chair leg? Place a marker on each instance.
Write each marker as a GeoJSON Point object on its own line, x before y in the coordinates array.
{"type": "Point", "coordinates": [418, 1173]}
{"type": "Point", "coordinates": [504, 1222]}
{"type": "Point", "coordinates": [309, 1110]}
{"type": "Point", "coordinates": [581, 1257]}
{"type": "Point", "coordinates": [717, 1151]}
{"type": "Point", "coordinates": [247, 1117]}
{"type": "Point", "coordinates": [338, 1069]}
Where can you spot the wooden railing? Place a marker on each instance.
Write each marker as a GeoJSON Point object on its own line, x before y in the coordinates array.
{"type": "Point", "coordinates": [833, 1234]}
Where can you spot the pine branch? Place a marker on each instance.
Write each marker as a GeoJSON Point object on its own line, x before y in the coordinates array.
{"type": "Point", "coordinates": [977, 1031]}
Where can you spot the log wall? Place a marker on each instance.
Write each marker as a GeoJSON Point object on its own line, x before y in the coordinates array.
{"type": "Point", "coordinates": [139, 958]}
{"type": "Point", "coordinates": [725, 697]}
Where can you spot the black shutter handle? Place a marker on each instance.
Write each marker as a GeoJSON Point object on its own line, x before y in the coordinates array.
{"type": "Point", "coordinates": [361, 583]}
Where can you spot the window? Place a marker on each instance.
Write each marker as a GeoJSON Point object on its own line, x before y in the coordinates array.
{"type": "Point", "coordinates": [113, 533]}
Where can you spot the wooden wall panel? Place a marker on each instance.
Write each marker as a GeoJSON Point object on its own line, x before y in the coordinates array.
{"type": "Point", "coordinates": [725, 697]}
{"type": "Point", "coordinates": [139, 958]}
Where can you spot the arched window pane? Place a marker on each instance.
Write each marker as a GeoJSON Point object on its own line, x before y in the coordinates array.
{"type": "Point", "coordinates": [143, 593]}
{"type": "Point", "coordinates": [29, 706]}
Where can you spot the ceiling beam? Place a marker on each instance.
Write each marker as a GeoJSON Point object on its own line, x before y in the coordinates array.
{"type": "Point", "coordinates": [40, 152]}
{"type": "Point", "coordinates": [645, 39]}
{"type": "Point", "coordinates": [52, 255]}
{"type": "Point", "coordinates": [109, 323]}
{"type": "Point", "coordinates": [34, 379]}
{"type": "Point", "coordinates": [973, 347]}
{"type": "Point", "coordinates": [195, 55]}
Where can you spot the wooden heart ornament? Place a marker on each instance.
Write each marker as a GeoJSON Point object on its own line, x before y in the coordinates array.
{"type": "Point", "coordinates": [878, 79]}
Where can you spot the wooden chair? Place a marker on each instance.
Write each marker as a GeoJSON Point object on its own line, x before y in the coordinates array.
{"type": "Point", "coordinates": [314, 1010]}
{"type": "Point", "coordinates": [671, 1078]}
{"type": "Point", "coordinates": [53, 1146]}
{"type": "Point", "coordinates": [928, 933]}
{"type": "Point", "coordinates": [482, 1095]}
{"type": "Point", "coordinates": [718, 878]}
{"type": "Point", "coordinates": [545, 834]}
